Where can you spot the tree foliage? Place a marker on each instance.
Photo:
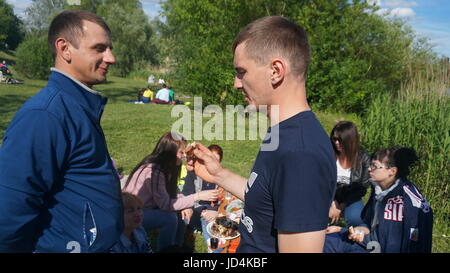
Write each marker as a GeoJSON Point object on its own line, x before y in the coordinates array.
{"type": "Point", "coordinates": [131, 34]}
{"type": "Point", "coordinates": [10, 27]}
{"type": "Point", "coordinates": [34, 58]}
{"type": "Point", "coordinates": [352, 48]}
{"type": "Point", "coordinates": [40, 13]}
{"type": "Point", "coordinates": [197, 39]}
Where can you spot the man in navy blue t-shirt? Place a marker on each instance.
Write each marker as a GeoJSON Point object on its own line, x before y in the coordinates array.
{"type": "Point", "coordinates": [291, 186]}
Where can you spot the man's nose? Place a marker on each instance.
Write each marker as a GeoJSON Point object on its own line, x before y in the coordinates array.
{"type": "Point", "coordinates": [237, 82]}
{"type": "Point", "coordinates": [109, 57]}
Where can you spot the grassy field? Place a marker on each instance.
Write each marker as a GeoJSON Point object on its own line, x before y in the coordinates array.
{"type": "Point", "coordinates": [132, 130]}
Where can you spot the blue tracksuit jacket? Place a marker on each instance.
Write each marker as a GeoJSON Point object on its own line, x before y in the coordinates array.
{"type": "Point", "coordinates": [405, 220]}
{"type": "Point", "coordinates": [58, 188]}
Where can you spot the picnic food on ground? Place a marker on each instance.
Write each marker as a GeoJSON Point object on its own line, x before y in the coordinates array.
{"type": "Point", "coordinates": [223, 227]}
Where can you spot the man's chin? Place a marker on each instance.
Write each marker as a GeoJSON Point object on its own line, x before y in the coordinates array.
{"type": "Point", "coordinates": [99, 80]}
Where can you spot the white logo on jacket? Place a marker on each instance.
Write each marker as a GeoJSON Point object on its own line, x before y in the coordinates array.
{"type": "Point", "coordinates": [394, 209]}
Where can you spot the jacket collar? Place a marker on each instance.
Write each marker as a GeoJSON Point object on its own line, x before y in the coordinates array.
{"type": "Point", "coordinates": [138, 238]}
{"type": "Point", "coordinates": [86, 97]}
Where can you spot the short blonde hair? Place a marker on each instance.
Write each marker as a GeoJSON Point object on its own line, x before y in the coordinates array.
{"type": "Point", "coordinates": [130, 200]}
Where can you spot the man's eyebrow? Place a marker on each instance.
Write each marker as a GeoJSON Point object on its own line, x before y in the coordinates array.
{"type": "Point", "coordinates": [106, 45]}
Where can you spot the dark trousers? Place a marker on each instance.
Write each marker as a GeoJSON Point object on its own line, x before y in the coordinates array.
{"type": "Point", "coordinates": [339, 243]}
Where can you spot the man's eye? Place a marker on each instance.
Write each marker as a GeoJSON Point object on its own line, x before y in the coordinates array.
{"type": "Point", "coordinates": [100, 48]}
{"type": "Point", "coordinates": [240, 74]}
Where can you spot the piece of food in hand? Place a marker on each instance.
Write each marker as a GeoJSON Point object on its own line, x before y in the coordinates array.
{"type": "Point", "coordinates": [351, 230]}
{"type": "Point", "coordinates": [189, 150]}
{"type": "Point", "coordinates": [199, 167]}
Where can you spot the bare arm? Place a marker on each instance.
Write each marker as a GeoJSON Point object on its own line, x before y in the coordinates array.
{"type": "Point", "coordinates": [233, 183]}
{"type": "Point", "coordinates": [301, 242]}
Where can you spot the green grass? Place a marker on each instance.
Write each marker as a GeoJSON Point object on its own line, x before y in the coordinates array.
{"type": "Point", "coordinates": [418, 117]}
{"type": "Point", "coordinates": [132, 131]}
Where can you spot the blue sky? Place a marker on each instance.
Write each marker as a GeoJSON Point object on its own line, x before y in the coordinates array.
{"type": "Point", "coordinates": [429, 18]}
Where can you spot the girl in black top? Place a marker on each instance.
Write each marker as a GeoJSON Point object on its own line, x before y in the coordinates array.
{"type": "Point", "coordinates": [353, 177]}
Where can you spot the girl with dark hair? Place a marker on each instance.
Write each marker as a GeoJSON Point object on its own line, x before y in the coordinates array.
{"type": "Point", "coordinates": [397, 218]}
{"type": "Point", "coordinates": [352, 174]}
{"type": "Point", "coordinates": [154, 180]}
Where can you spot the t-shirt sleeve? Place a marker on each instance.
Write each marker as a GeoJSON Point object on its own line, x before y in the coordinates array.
{"type": "Point", "coordinates": [301, 193]}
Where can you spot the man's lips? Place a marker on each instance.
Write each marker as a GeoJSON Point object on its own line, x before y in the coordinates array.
{"type": "Point", "coordinates": [246, 98]}
{"type": "Point", "coordinates": [104, 69]}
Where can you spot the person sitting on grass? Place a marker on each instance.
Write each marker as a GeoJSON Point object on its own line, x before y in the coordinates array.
{"type": "Point", "coordinates": [206, 211]}
{"type": "Point", "coordinates": [134, 239]}
{"type": "Point", "coordinates": [163, 95]}
{"type": "Point", "coordinates": [171, 95]}
{"type": "Point", "coordinates": [352, 174]}
{"type": "Point", "coordinates": [154, 180]}
{"type": "Point", "coordinates": [148, 95]}
{"type": "Point", "coordinates": [397, 218]}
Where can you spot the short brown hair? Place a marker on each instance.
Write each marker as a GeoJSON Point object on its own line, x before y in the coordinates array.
{"type": "Point", "coordinates": [271, 35]}
{"type": "Point", "coordinates": [69, 25]}
{"type": "Point", "coordinates": [216, 148]}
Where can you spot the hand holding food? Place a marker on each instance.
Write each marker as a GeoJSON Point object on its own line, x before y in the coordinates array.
{"type": "Point", "coordinates": [357, 234]}
{"type": "Point", "coordinates": [201, 160]}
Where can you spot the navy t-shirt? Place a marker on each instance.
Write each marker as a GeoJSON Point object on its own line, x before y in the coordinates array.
{"type": "Point", "coordinates": [291, 188]}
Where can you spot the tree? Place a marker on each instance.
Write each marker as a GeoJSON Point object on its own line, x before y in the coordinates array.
{"type": "Point", "coordinates": [39, 15]}
{"type": "Point", "coordinates": [10, 30]}
{"type": "Point", "coordinates": [352, 56]}
{"type": "Point", "coordinates": [197, 38]}
{"type": "Point", "coordinates": [34, 58]}
{"type": "Point", "coordinates": [131, 35]}
{"type": "Point", "coordinates": [96, 5]}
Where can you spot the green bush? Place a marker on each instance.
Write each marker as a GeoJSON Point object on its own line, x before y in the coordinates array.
{"type": "Point", "coordinates": [131, 35]}
{"type": "Point", "coordinates": [352, 56]}
{"type": "Point", "coordinates": [34, 58]}
{"type": "Point", "coordinates": [418, 118]}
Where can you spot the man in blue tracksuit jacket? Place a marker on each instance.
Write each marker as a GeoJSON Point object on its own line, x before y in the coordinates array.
{"type": "Point", "coordinates": [58, 188]}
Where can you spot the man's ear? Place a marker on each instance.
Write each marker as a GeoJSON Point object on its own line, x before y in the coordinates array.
{"type": "Point", "coordinates": [63, 49]}
{"type": "Point", "coordinates": [278, 71]}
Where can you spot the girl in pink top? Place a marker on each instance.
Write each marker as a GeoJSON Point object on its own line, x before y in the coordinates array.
{"type": "Point", "coordinates": [154, 181]}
